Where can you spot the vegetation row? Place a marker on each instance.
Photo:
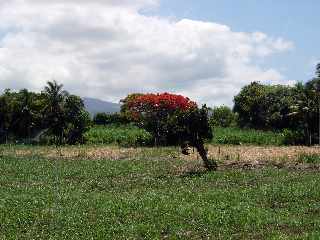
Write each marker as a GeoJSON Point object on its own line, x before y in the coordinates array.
{"type": "Point", "coordinates": [55, 116]}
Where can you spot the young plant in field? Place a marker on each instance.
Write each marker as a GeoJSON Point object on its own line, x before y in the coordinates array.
{"type": "Point", "coordinates": [172, 119]}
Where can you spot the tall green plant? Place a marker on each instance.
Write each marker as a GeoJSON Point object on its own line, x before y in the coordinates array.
{"type": "Point", "coordinates": [54, 110]}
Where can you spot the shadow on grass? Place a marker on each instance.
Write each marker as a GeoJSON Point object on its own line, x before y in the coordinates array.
{"type": "Point", "coordinates": [195, 173]}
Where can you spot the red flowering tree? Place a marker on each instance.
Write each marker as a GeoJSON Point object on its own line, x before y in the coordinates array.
{"type": "Point", "coordinates": [172, 119]}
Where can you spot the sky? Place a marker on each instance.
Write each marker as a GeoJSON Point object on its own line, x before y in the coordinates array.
{"type": "Point", "coordinates": [206, 49]}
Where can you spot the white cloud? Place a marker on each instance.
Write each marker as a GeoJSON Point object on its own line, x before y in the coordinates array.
{"type": "Point", "coordinates": [107, 49]}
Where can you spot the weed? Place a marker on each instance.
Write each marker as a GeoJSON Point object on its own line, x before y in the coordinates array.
{"type": "Point", "coordinates": [309, 158]}
{"type": "Point", "coordinates": [236, 136]}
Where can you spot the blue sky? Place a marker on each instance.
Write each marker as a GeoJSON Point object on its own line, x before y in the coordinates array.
{"type": "Point", "coordinates": [294, 20]}
{"type": "Point", "coordinates": [206, 49]}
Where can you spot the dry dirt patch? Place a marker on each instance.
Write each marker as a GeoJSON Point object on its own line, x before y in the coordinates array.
{"type": "Point", "coordinates": [226, 155]}
{"type": "Point", "coordinates": [73, 152]}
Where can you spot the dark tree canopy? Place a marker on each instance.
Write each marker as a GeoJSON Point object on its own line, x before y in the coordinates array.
{"type": "Point", "coordinates": [277, 107]}
{"type": "Point", "coordinates": [222, 117]}
{"type": "Point", "coordinates": [110, 118]}
{"type": "Point", "coordinates": [265, 106]}
{"type": "Point", "coordinates": [25, 115]}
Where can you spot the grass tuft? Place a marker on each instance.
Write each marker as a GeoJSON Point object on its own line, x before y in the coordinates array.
{"type": "Point", "coordinates": [309, 158]}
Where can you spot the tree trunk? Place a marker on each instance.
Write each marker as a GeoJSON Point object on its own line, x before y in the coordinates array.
{"type": "Point", "coordinates": [307, 134]}
{"type": "Point", "coordinates": [209, 164]}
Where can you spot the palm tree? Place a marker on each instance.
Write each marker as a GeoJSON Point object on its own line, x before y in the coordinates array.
{"type": "Point", "coordinates": [54, 110]}
{"type": "Point", "coordinates": [55, 95]}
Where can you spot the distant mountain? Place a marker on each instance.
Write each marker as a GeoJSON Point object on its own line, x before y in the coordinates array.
{"type": "Point", "coordinates": [94, 106]}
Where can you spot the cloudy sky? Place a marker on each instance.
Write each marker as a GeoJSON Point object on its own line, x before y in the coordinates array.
{"type": "Point", "coordinates": [206, 49]}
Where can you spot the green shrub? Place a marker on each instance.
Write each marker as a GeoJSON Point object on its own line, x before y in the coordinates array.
{"type": "Point", "coordinates": [236, 136]}
{"type": "Point", "coordinates": [293, 137]}
{"type": "Point", "coordinates": [309, 158]}
{"type": "Point", "coordinates": [222, 117]}
{"type": "Point", "coordinates": [124, 135]}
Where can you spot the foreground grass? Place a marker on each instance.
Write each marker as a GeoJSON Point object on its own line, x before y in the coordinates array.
{"type": "Point", "coordinates": [148, 197]}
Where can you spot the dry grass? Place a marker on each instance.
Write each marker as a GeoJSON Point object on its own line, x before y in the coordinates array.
{"type": "Point", "coordinates": [256, 153]}
{"type": "Point", "coordinates": [252, 157]}
{"type": "Point", "coordinates": [74, 152]}
{"type": "Point", "coordinates": [223, 154]}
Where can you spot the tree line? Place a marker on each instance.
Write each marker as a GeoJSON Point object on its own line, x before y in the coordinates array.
{"type": "Point", "coordinates": [52, 116]}
{"type": "Point", "coordinates": [56, 116]}
{"type": "Point", "coordinates": [292, 110]}
{"type": "Point", "coordinates": [295, 110]}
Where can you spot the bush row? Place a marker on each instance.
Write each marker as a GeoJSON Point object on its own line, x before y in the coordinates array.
{"type": "Point", "coordinates": [130, 135]}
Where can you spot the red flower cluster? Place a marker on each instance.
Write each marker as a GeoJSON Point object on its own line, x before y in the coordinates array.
{"type": "Point", "coordinates": [163, 101]}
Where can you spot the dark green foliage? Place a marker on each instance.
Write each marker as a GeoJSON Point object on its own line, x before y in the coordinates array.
{"type": "Point", "coordinates": [110, 118]}
{"type": "Point", "coordinates": [305, 111]}
{"type": "Point", "coordinates": [296, 109]}
{"type": "Point", "coordinates": [249, 106]}
{"type": "Point", "coordinates": [186, 128]}
{"type": "Point", "coordinates": [264, 106]}
{"type": "Point", "coordinates": [65, 115]}
{"type": "Point", "coordinates": [77, 120]}
{"type": "Point", "coordinates": [26, 116]}
{"type": "Point", "coordinates": [192, 128]}
{"type": "Point", "coordinates": [101, 119]}
{"type": "Point", "coordinates": [293, 137]}
{"type": "Point", "coordinates": [222, 117]}
{"type": "Point", "coordinates": [55, 118]}
{"type": "Point", "coordinates": [20, 114]}
{"type": "Point", "coordinates": [191, 125]}
{"type": "Point", "coordinates": [311, 107]}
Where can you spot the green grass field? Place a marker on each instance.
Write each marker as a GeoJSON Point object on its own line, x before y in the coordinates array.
{"type": "Point", "coordinates": [123, 135]}
{"type": "Point", "coordinates": [236, 136]}
{"type": "Point", "coordinates": [128, 135]}
{"type": "Point", "coordinates": [150, 195]}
